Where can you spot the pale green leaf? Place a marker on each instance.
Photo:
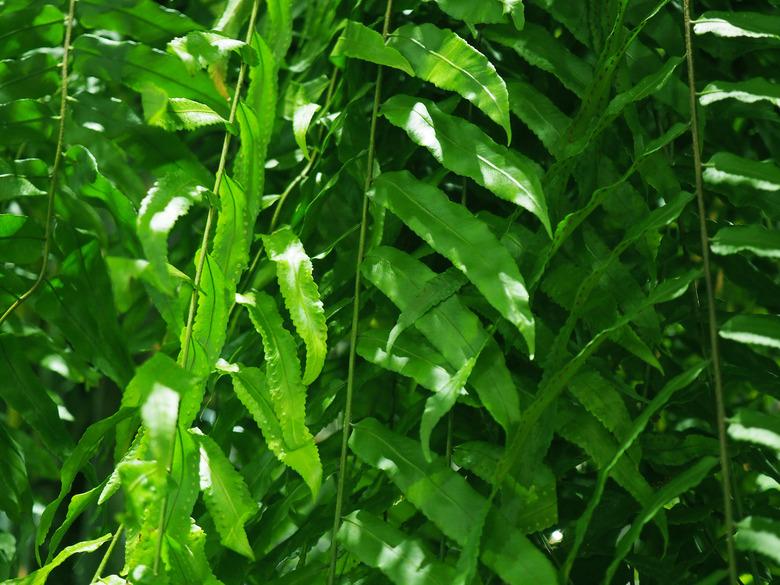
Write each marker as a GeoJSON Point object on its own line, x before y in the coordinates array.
{"type": "Point", "coordinates": [294, 273]}
{"type": "Point", "coordinates": [301, 120]}
{"type": "Point", "coordinates": [167, 200]}
{"type": "Point", "coordinates": [283, 371]}
{"type": "Point", "coordinates": [252, 390]}
{"type": "Point", "coordinates": [357, 41]}
{"type": "Point", "coordinates": [226, 495]}
{"type": "Point", "coordinates": [231, 243]}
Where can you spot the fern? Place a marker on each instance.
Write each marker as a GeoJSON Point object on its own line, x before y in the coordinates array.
{"type": "Point", "coordinates": [411, 292]}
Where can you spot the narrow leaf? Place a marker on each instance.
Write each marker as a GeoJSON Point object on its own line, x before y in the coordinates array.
{"type": "Point", "coordinates": [403, 559]}
{"type": "Point", "coordinates": [283, 371]}
{"type": "Point", "coordinates": [465, 149]}
{"type": "Point", "coordinates": [360, 42]}
{"type": "Point", "coordinates": [748, 238]}
{"type": "Point", "coordinates": [441, 57]}
{"type": "Point", "coordinates": [456, 234]}
{"type": "Point", "coordinates": [226, 495]}
{"type": "Point", "coordinates": [301, 296]}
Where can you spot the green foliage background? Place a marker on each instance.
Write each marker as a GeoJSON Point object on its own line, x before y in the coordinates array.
{"type": "Point", "coordinates": [403, 292]}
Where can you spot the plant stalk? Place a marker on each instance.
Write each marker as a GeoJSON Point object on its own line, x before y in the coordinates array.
{"type": "Point", "coordinates": [185, 350]}
{"type": "Point", "coordinates": [347, 418]}
{"type": "Point", "coordinates": [55, 171]}
{"type": "Point", "coordinates": [106, 556]}
{"type": "Point", "coordinates": [713, 332]}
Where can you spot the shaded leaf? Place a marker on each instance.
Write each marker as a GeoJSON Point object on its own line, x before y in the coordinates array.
{"type": "Point", "coordinates": [456, 234]}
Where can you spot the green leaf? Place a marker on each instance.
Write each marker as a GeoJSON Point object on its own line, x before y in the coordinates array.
{"type": "Point", "coordinates": [25, 121]}
{"type": "Point", "coordinates": [539, 113]}
{"type": "Point", "coordinates": [463, 239]}
{"type": "Point", "coordinates": [30, 28]}
{"type": "Point", "coordinates": [751, 25]}
{"type": "Point", "coordinates": [732, 174]}
{"type": "Point", "coordinates": [22, 390]}
{"type": "Point", "coordinates": [441, 403]}
{"type": "Point", "coordinates": [753, 329]}
{"type": "Point", "coordinates": [451, 328]}
{"type": "Point", "coordinates": [31, 76]}
{"type": "Point", "coordinates": [283, 371]}
{"type": "Point", "coordinates": [683, 482]}
{"type": "Point", "coordinates": [441, 57]}
{"type": "Point", "coordinates": [403, 559]}
{"type": "Point", "coordinates": [200, 49]}
{"type": "Point", "coordinates": [435, 291]}
{"type": "Point", "coordinates": [357, 41]}
{"type": "Point", "coordinates": [40, 576]}
{"type": "Point", "coordinates": [411, 356]}
{"type": "Point", "coordinates": [749, 92]}
{"type": "Point", "coordinates": [226, 495]}
{"type": "Point", "coordinates": [159, 371]}
{"type": "Point", "coordinates": [301, 120]}
{"type": "Point", "coordinates": [750, 238]}
{"type": "Point", "coordinates": [167, 200]}
{"type": "Point", "coordinates": [77, 459]}
{"type": "Point", "coordinates": [160, 413]}
{"type": "Point", "coordinates": [541, 49]}
{"type": "Point", "coordinates": [210, 328]}
{"type": "Point", "coordinates": [294, 273]}
{"type": "Point", "coordinates": [138, 66]}
{"type": "Point", "coordinates": [15, 492]}
{"type": "Point", "coordinates": [77, 505]}
{"type": "Point", "coordinates": [142, 20]}
{"type": "Point", "coordinates": [252, 390]}
{"type": "Point", "coordinates": [761, 535]}
{"type": "Point", "coordinates": [448, 501]}
{"type": "Point", "coordinates": [465, 149]}
{"type": "Point", "coordinates": [487, 12]}
{"type": "Point", "coordinates": [638, 426]}
{"type": "Point", "coordinates": [231, 244]}
{"type": "Point", "coordinates": [278, 27]}
{"type": "Point", "coordinates": [755, 427]}
{"type": "Point", "coordinates": [255, 118]}
{"type": "Point", "coordinates": [182, 114]}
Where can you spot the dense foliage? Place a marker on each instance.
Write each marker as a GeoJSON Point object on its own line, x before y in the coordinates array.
{"type": "Point", "coordinates": [403, 292]}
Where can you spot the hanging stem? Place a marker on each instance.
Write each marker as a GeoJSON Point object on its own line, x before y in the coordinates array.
{"type": "Point", "coordinates": [356, 310]}
{"type": "Point", "coordinates": [203, 252]}
{"type": "Point", "coordinates": [217, 184]}
{"type": "Point", "coordinates": [55, 171]}
{"type": "Point", "coordinates": [106, 556]}
{"type": "Point", "coordinates": [713, 333]}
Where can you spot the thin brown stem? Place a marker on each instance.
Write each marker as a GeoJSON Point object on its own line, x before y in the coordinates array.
{"type": "Point", "coordinates": [713, 332]}
{"type": "Point", "coordinates": [55, 171]}
{"type": "Point", "coordinates": [347, 418]}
